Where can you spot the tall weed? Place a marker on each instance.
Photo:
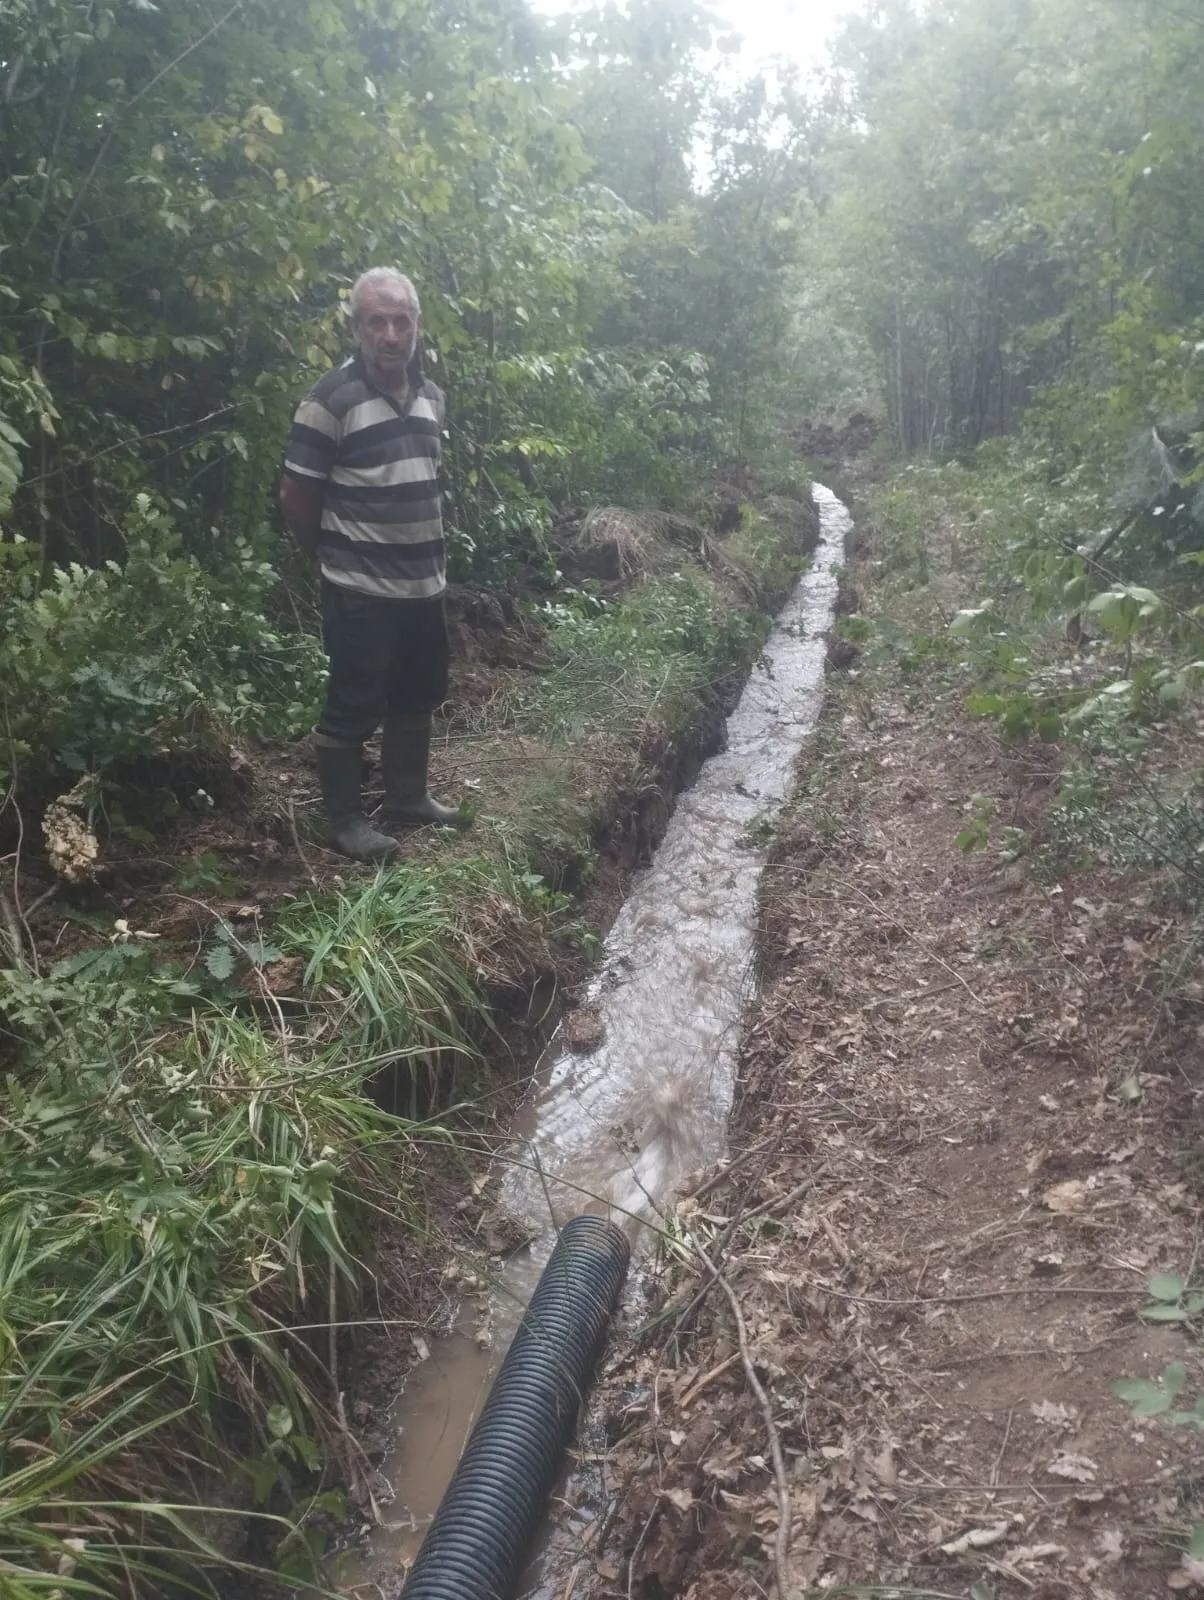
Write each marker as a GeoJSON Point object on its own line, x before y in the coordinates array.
{"type": "Point", "coordinates": [179, 1200]}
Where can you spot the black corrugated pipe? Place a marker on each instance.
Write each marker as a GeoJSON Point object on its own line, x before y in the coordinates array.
{"type": "Point", "coordinates": [474, 1547]}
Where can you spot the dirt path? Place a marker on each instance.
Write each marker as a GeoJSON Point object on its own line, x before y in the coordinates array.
{"type": "Point", "coordinates": [957, 1160]}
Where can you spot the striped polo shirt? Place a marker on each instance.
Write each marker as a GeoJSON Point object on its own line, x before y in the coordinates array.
{"type": "Point", "coordinates": [382, 524]}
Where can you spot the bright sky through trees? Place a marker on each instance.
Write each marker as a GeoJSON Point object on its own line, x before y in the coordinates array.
{"type": "Point", "coordinates": [797, 29]}
{"type": "Point", "coordinates": [800, 30]}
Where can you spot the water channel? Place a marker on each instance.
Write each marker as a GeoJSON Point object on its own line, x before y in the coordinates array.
{"type": "Point", "coordinates": [620, 1127]}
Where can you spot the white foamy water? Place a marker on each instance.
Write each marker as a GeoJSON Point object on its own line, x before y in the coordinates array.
{"type": "Point", "coordinates": [623, 1125]}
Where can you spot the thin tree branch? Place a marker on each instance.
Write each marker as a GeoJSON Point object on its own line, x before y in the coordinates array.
{"type": "Point", "coordinates": [10, 928]}
{"type": "Point", "coordinates": [128, 444]}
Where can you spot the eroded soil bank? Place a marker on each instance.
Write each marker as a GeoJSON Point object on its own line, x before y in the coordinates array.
{"type": "Point", "coordinates": [957, 1158]}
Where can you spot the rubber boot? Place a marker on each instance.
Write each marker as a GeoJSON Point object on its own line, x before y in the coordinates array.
{"type": "Point", "coordinates": [340, 774]}
{"type": "Point", "coordinates": [405, 756]}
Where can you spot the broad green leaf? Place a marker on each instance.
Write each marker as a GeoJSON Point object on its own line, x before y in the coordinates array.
{"type": "Point", "coordinates": [1147, 1399]}
{"type": "Point", "coordinates": [266, 118]}
{"type": "Point", "coordinates": [264, 1474]}
{"type": "Point", "coordinates": [1175, 1377]}
{"type": "Point", "coordinates": [261, 953]}
{"type": "Point", "coordinates": [279, 1420]}
{"type": "Point", "coordinates": [1165, 1286]}
{"type": "Point", "coordinates": [220, 961]}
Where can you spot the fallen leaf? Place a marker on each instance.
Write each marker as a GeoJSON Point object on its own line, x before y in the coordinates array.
{"type": "Point", "coordinates": [862, 1506]}
{"type": "Point", "coordinates": [806, 1506]}
{"type": "Point", "coordinates": [1053, 1413]}
{"type": "Point", "coordinates": [681, 1498]}
{"type": "Point", "coordinates": [976, 1539]}
{"type": "Point", "coordinates": [1110, 1543]}
{"type": "Point", "coordinates": [1079, 1469]}
{"type": "Point", "coordinates": [1066, 1197]}
{"type": "Point", "coordinates": [1048, 1266]}
{"type": "Point", "coordinates": [1037, 1552]}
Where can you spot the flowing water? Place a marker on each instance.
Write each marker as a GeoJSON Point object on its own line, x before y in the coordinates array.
{"type": "Point", "coordinates": [620, 1128]}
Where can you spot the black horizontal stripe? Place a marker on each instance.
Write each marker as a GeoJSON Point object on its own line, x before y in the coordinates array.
{"type": "Point", "coordinates": [360, 497]}
{"type": "Point", "coordinates": [414, 561]}
{"type": "Point", "coordinates": [308, 447]}
{"type": "Point", "coordinates": [342, 388]}
{"type": "Point", "coordinates": [358, 453]}
{"type": "Point", "coordinates": [388, 523]}
{"type": "Point", "coordinates": [313, 438]}
{"type": "Point", "coordinates": [392, 428]}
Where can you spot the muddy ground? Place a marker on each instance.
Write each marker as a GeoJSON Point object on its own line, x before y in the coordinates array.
{"type": "Point", "coordinates": [882, 1348]}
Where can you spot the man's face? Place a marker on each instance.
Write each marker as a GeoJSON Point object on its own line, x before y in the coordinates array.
{"type": "Point", "coordinates": [386, 330]}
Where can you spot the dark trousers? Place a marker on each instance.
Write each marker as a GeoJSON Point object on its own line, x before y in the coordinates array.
{"type": "Point", "coordinates": [385, 656]}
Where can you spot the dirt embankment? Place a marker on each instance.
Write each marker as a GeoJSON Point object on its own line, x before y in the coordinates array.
{"type": "Point", "coordinates": [957, 1160]}
{"type": "Point", "coordinates": [235, 832]}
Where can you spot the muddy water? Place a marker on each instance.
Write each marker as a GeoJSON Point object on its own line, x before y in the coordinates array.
{"type": "Point", "coordinates": [619, 1128]}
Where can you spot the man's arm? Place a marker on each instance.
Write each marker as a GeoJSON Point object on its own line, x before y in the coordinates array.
{"type": "Point", "coordinates": [313, 448]}
{"type": "Point", "coordinates": [301, 504]}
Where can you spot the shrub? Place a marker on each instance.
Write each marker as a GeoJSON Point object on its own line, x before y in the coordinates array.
{"type": "Point", "coordinates": [154, 657]}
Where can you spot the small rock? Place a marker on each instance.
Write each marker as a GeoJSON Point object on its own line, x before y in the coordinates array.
{"type": "Point", "coordinates": [584, 1029]}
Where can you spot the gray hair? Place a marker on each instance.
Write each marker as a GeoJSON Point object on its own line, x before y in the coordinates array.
{"type": "Point", "coordinates": [381, 278]}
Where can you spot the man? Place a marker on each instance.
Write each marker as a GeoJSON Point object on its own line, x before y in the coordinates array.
{"type": "Point", "coordinates": [359, 489]}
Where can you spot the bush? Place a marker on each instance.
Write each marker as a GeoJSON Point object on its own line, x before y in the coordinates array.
{"type": "Point", "coordinates": [154, 657]}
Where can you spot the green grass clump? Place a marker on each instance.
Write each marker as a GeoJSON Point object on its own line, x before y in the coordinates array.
{"type": "Point", "coordinates": [189, 1177]}
{"type": "Point", "coordinates": [167, 1216]}
{"type": "Point", "coordinates": [380, 961]}
{"type": "Point", "coordinates": [639, 662]}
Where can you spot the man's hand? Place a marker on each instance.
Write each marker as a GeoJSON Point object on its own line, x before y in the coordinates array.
{"type": "Point", "coordinates": [301, 503]}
